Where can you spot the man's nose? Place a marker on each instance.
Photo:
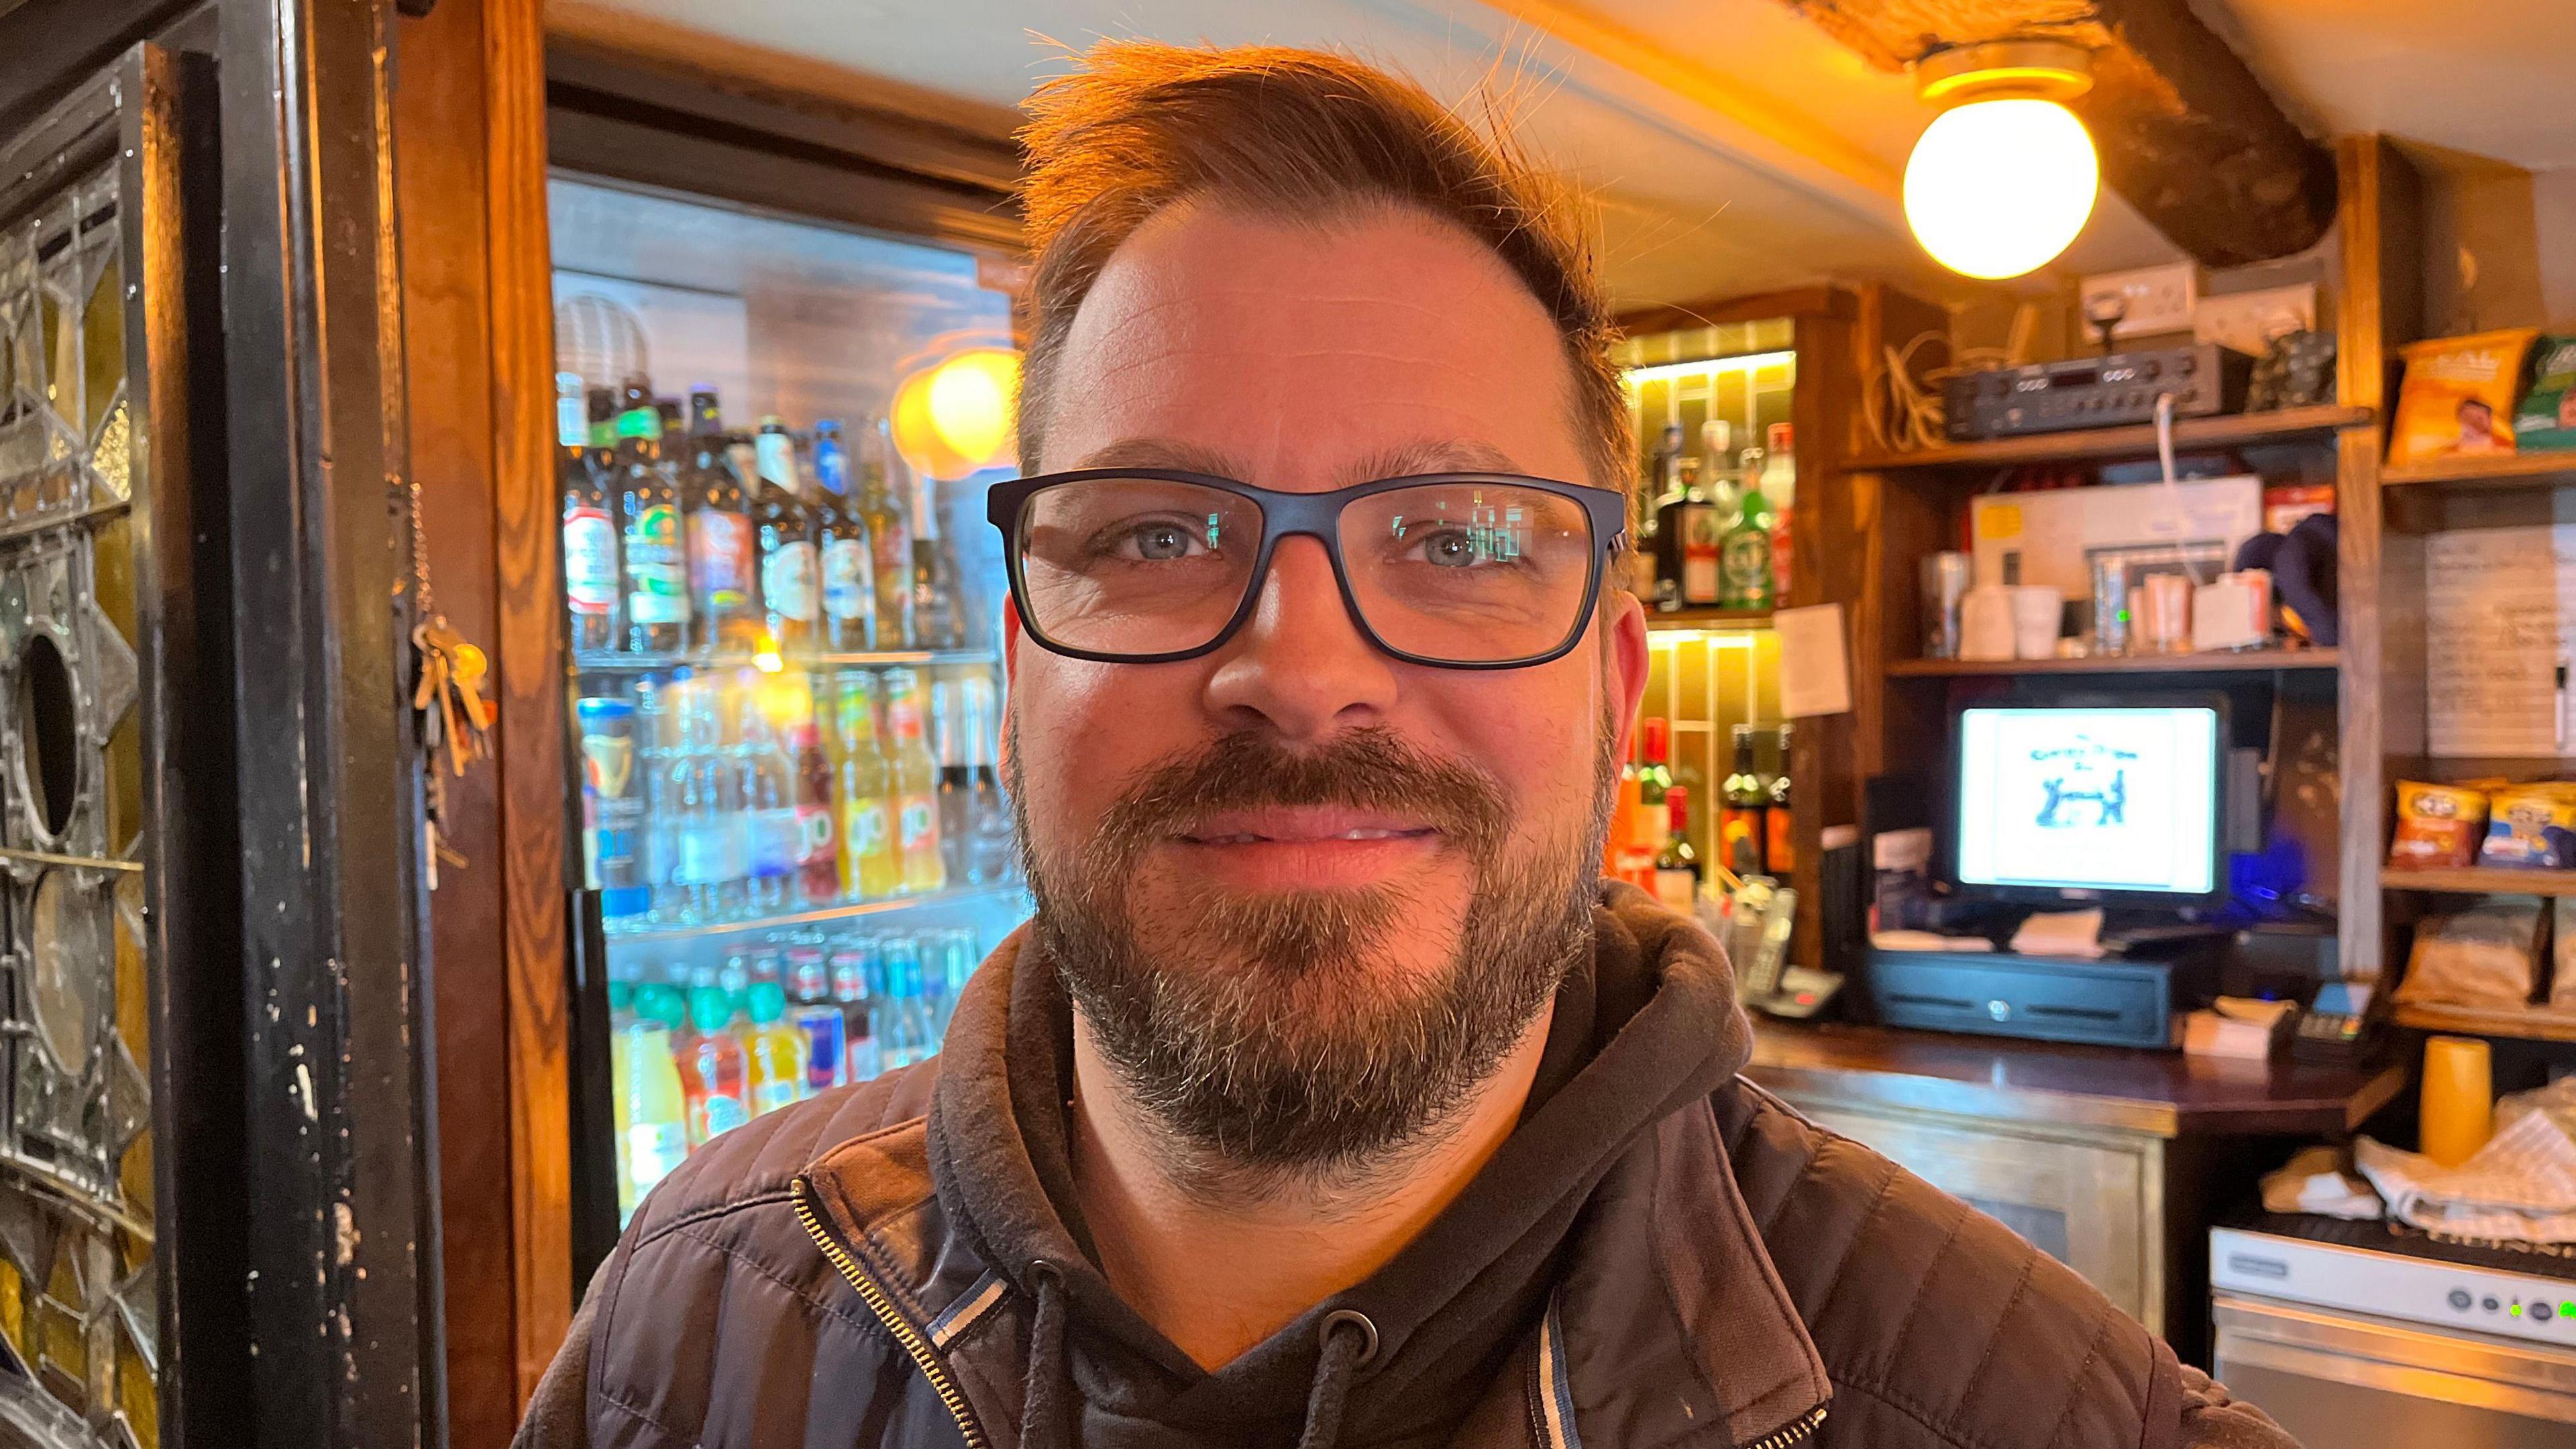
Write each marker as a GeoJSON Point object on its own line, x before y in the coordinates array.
{"type": "Point", "coordinates": [1300, 662]}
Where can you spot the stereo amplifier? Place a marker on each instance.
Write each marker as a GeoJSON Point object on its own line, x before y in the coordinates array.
{"type": "Point", "coordinates": [2095, 392]}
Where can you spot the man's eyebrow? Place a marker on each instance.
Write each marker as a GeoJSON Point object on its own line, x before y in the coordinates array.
{"type": "Point", "coordinates": [1163, 453]}
{"type": "Point", "coordinates": [1431, 455]}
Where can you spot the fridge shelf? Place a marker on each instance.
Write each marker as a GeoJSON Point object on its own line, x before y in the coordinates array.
{"type": "Point", "coordinates": [619, 661]}
{"type": "Point", "coordinates": [819, 916]}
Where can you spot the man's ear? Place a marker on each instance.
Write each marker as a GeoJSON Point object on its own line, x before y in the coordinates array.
{"type": "Point", "coordinates": [1624, 662]}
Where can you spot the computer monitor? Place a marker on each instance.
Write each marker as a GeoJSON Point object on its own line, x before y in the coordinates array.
{"type": "Point", "coordinates": [2111, 801]}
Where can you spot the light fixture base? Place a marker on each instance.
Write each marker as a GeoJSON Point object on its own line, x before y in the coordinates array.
{"type": "Point", "coordinates": [2056, 70]}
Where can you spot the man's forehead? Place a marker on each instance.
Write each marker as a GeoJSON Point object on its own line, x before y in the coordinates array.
{"type": "Point", "coordinates": [1399, 460]}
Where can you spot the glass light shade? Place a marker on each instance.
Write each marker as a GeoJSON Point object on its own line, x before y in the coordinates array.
{"type": "Point", "coordinates": [954, 418]}
{"type": "Point", "coordinates": [1997, 188]}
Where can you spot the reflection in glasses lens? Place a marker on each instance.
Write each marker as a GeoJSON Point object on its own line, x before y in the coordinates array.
{"type": "Point", "coordinates": [1454, 572]}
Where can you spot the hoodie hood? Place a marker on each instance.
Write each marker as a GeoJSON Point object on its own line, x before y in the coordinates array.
{"type": "Point", "coordinates": [1647, 1026]}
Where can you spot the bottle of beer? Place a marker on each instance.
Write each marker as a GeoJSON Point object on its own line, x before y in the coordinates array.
{"type": "Point", "coordinates": [590, 574]}
{"type": "Point", "coordinates": [938, 602]}
{"type": "Point", "coordinates": [889, 537]}
{"type": "Point", "coordinates": [1778, 852]}
{"type": "Point", "coordinates": [791, 597]}
{"type": "Point", "coordinates": [722, 578]}
{"type": "Point", "coordinates": [657, 558]}
{"type": "Point", "coordinates": [1740, 827]}
{"type": "Point", "coordinates": [841, 539]}
{"type": "Point", "coordinates": [1677, 865]}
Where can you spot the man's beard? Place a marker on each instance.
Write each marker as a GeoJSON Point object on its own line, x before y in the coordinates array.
{"type": "Point", "coordinates": [1274, 1037]}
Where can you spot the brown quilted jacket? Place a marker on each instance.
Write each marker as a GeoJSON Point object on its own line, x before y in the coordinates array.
{"type": "Point", "coordinates": [1736, 1277]}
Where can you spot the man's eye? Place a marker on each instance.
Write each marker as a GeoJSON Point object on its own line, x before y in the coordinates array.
{"type": "Point", "coordinates": [1157, 542]}
{"type": "Point", "coordinates": [1465, 548]}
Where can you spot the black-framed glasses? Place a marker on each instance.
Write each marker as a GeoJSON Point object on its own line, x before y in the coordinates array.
{"type": "Point", "coordinates": [1459, 570]}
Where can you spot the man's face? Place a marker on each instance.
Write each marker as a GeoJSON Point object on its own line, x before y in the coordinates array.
{"type": "Point", "coordinates": [1304, 893]}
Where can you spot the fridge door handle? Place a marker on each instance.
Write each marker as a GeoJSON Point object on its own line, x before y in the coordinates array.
{"type": "Point", "coordinates": [592, 1094]}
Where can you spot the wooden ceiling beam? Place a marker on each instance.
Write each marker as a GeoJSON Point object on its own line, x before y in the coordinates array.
{"type": "Point", "coordinates": [2185, 130]}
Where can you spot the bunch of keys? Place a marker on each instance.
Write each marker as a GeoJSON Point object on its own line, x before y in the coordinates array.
{"type": "Point", "coordinates": [455, 719]}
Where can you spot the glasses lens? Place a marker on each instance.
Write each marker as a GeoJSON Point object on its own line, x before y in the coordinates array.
{"type": "Point", "coordinates": [1469, 573]}
{"type": "Point", "coordinates": [1135, 565]}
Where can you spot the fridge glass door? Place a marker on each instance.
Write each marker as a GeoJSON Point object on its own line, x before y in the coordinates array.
{"type": "Point", "coordinates": [784, 609]}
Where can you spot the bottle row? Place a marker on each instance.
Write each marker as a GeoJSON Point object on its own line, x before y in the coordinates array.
{"type": "Point", "coordinates": [694, 1052]}
{"type": "Point", "coordinates": [710, 798]}
{"type": "Point", "coordinates": [681, 537]}
{"type": "Point", "coordinates": [1649, 842]}
{"type": "Point", "coordinates": [1711, 541]}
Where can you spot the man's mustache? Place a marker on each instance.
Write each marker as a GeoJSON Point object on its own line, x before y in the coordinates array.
{"type": "Point", "coordinates": [1372, 768]}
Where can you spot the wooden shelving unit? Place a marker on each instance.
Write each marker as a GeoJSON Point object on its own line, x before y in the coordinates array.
{"type": "Point", "coordinates": [2286, 425]}
{"type": "Point", "coordinates": [2487, 470]}
{"type": "Point", "coordinates": [2482, 880]}
{"type": "Point", "coordinates": [2261, 661]}
{"type": "Point", "coordinates": [1709, 619]}
{"type": "Point", "coordinates": [2529, 1023]}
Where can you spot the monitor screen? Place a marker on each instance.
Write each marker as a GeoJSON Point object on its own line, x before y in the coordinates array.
{"type": "Point", "coordinates": [2118, 800]}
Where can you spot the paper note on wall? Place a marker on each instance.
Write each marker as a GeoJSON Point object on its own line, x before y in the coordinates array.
{"type": "Point", "coordinates": [2499, 620]}
{"type": "Point", "coordinates": [1815, 676]}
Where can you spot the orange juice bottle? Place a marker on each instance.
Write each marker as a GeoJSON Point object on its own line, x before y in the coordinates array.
{"type": "Point", "coordinates": [774, 1051]}
{"type": "Point", "coordinates": [871, 867]}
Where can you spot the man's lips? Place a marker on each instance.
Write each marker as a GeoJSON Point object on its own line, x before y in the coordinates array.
{"type": "Point", "coordinates": [1305, 825]}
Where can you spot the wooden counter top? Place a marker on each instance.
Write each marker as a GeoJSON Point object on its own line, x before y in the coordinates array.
{"type": "Point", "coordinates": [2165, 1094]}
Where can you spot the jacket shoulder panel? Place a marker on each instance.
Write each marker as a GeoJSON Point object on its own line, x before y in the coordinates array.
{"type": "Point", "coordinates": [1942, 1317]}
{"type": "Point", "coordinates": [758, 1160]}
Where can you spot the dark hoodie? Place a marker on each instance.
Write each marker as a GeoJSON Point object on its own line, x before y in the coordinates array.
{"type": "Point", "coordinates": [1636, 1034]}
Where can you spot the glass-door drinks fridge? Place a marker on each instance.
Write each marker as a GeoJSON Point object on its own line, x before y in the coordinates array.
{"type": "Point", "coordinates": [783, 613]}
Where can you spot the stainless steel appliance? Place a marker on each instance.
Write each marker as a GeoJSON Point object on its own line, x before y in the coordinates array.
{"type": "Point", "coordinates": [2360, 1335]}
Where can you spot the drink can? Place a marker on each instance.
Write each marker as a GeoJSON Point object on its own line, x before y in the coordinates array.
{"type": "Point", "coordinates": [2111, 578]}
{"type": "Point", "coordinates": [1946, 577]}
{"type": "Point", "coordinates": [826, 1046]}
{"type": "Point", "coordinates": [613, 790]}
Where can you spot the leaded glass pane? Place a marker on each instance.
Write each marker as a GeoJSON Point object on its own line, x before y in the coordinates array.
{"type": "Point", "coordinates": [78, 1320]}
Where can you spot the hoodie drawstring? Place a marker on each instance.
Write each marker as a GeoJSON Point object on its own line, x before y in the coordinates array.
{"type": "Point", "coordinates": [1348, 1341]}
{"type": "Point", "coordinates": [1043, 1421]}
{"type": "Point", "coordinates": [1347, 1338]}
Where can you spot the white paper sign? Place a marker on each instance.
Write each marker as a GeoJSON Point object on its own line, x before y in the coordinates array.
{"type": "Point", "coordinates": [2500, 619]}
{"type": "Point", "coordinates": [1815, 673]}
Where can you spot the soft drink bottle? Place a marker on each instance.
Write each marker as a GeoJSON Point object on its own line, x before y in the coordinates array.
{"type": "Point", "coordinates": [956, 794]}
{"type": "Point", "coordinates": [850, 993]}
{"type": "Point", "coordinates": [768, 786]}
{"type": "Point", "coordinates": [990, 844]}
{"type": "Point", "coordinates": [904, 1025]}
{"type": "Point", "coordinates": [827, 1049]}
{"type": "Point", "coordinates": [706, 794]}
{"type": "Point", "coordinates": [914, 776]}
{"type": "Point", "coordinates": [712, 1068]}
{"type": "Point", "coordinates": [650, 1099]}
{"type": "Point", "coordinates": [871, 866]}
{"type": "Point", "coordinates": [621, 1020]}
{"type": "Point", "coordinates": [775, 1054]}
{"type": "Point", "coordinates": [818, 835]}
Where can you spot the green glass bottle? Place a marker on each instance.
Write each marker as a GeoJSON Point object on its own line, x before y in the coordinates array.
{"type": "Point", "coordinates": [1744, 555]}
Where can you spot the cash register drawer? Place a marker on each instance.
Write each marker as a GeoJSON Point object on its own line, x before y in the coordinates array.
{"type": "Point", "coordinates": [2107, 1003]}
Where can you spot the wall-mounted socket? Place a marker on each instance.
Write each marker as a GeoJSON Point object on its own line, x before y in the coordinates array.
{"type": "Point", "coordinates": [2248, 321]}
{"type": "Point", "coordinates": [2160, 299]}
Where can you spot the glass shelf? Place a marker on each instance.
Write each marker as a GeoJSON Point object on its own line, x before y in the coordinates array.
{"type": "Point", "coordinates": [820, 915]}
{"type": "Point", "coordinates": [618, 661]}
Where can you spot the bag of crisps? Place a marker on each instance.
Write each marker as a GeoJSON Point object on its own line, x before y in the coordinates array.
{"type": "Point", "coordinates": [2437, 826]}
{"type": "Point", "coordinates": [2458, 395]}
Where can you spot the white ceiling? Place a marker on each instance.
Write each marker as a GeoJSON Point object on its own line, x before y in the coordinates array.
{"type": "Point", "coordinates": [1731, 146]}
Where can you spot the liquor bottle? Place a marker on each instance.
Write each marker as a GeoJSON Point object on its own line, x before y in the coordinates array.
{"type": "Point", "coordinates": [722, 581]}
{"type": "Point", "coordinates": [590, 576]}
{"type": "Point", "coordinates": [889, 537]}
{"type": "Point", "coordinates": [1740, 825]}
{"type": "Point", "coordinates": [774, 1052]}
{"type": "Point", "coordinates": [871, 867]}
{"type": "Point", "coordinates": [850, 994]}
{"type": "Point", "coordinates": [818, 870]}
{"type": "Point", "coordinates": [1687, 527]}
{"type": "Point", "coordinates": [1744, 560]}
{"type": "Point", "coordinates": [657, 558]}
{"type": "Point", "coordinates": [991, 845]}
{"type": "Point", "coordinates": [1654, 779]}
{"type": "Point", "coordinates": [768, 789]}
{"type": "Point", "coordinates": [938, 603]}
{"type": "Point", "coordinates": [791, 593]}
{"type": "Point", "coordinates": [1662, 466]}
{"type": "Point", "coordinates": [1677, 867]}
{"type": "Point", "coordinates": [818, 1020]}
{"type": "Point", "coordinates": [712, 1068]}
{"type": "Point", "coordinates": [706, 801]}
{"type": "Point", "coordinates": [914, 776]}
{"type": "Point", "coordinates": [841, 535]}
{"type": "Point", "coordinates": [1778, 851]}
{"type": "Point", "coordinates": [649, 1091]}
{"type": "Point", "coordinates": [956, 792]}
{"type": "Point", "coordinates": [1780, 489]}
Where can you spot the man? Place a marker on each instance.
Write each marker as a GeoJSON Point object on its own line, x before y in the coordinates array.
{"type": "Point", "coordinates": [1328, 1098]}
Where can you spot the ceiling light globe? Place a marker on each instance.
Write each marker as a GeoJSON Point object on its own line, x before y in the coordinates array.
{"type": "Point", "coordinates": [1997, 188]}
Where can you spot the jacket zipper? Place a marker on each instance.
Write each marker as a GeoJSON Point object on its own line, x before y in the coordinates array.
{"type": "Point", "coordinates": [883, 1307]}
{"type": "Point", "coordinates": [1793, 1431]}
